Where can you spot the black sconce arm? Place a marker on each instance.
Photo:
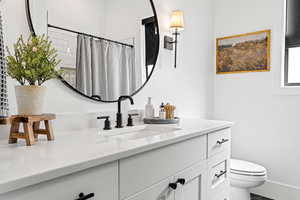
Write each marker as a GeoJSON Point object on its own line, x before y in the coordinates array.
{"type": "Point", "coordinates": [170, 43]}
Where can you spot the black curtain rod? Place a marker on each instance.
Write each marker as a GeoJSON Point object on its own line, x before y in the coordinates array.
{"type": "Point", "coordinates": [93, 36]}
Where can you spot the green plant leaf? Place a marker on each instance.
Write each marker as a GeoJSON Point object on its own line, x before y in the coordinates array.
{"type": "Point", "coordinates": [34, 61]}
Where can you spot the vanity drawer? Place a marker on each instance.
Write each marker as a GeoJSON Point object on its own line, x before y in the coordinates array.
{"type": "Point", "coordinates": [219, 142]}
{"type": "Point", "coordinates": [141, 171]}
{"type": "Point", "coordinates": [102, 181]}
{"type": "Point", "coordinates": [218, 180]}
{"type": "Point", "coordinates": [218, 174]}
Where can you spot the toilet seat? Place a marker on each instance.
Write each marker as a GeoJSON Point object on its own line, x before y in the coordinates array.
{"type": "Point", "coordinates": [244, 176]}
{"type": "Point", "coordinates": [245, 168]}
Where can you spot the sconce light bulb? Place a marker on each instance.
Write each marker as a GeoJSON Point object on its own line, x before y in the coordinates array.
{"type": "Point", "coordinates": [177, 21]}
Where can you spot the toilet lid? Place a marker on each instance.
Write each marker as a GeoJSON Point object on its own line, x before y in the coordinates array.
{"type": "Point", "coordinates": [246, 168]}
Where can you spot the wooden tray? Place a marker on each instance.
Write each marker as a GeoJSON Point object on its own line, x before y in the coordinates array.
{"type": "Point", "coordinates": [157, 120]}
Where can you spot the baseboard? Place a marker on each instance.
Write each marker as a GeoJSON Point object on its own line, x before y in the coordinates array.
{"type": "Point", "coordinates": [278, 191]}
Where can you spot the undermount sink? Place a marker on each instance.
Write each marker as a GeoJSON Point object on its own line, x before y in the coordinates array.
{"type": "Point", "coordinates": [140, 131]}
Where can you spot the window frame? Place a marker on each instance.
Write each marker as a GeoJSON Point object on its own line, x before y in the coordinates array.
{"type": "Point", "coordinates": [286, 55]}
{"type": "Point", "coordinates": [286, 68]}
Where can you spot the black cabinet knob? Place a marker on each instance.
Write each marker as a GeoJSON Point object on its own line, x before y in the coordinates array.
{"type": "Point", "coordinates": [82, 196]}
{"type": "Point", "coordinates": [173, 186]}
{"type": "Point", "coordinates": [181, 181]}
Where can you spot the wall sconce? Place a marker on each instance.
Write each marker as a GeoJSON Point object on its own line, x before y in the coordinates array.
{"type": "Point", "coordinates": [176, 26]}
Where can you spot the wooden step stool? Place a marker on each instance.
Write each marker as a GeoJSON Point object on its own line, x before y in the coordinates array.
{"type": "Point", "coordinates": [31, 125]}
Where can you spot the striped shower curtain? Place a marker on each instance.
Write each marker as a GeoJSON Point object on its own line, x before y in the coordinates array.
{"type": "Point", "coordinates": [105, 69]}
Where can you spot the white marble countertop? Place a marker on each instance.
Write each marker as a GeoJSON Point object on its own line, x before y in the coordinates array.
{"type": "Point", "coordinates": [22, 166]}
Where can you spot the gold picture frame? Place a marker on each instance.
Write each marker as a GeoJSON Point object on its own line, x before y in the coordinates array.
{"type": "Point", "coordinates": [249, 52]}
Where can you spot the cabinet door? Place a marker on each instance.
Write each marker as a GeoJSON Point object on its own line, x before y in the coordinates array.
{"type": "Point", "coordinates": [160, 191]}
{"type": "Point", "coordinates": [146, 169]}
{"type": "Point", "coordinates": [102, 181]}
{"type": "Point", "coordinates": [194, 184]}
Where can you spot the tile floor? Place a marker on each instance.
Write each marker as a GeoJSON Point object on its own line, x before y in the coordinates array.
{"type": "Point", "coordinates": [257, 197]}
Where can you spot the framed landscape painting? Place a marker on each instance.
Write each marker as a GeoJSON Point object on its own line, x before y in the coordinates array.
{"type": "Point", "coordinates": [248, 52]}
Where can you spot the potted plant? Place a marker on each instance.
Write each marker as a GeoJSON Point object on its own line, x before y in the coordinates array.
{"type": "Point", "coordinates": [32, 64]}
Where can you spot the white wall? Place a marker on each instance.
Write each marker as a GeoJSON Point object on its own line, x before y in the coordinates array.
{"type": "Point", "coordinates": [80, 16]}
{"type": "Point", "coordinates": [128, 19]}
{"type": "Point", "coordinates": [267, 120]}
{"type": "Point", "coordinates": [189, 87]}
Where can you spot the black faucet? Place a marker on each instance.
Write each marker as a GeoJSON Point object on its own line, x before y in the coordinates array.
{"type": "Point", "coordinates": [119, 114]}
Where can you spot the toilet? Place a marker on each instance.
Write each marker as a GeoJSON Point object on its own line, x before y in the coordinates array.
{"type": "Point", "coordinates": [244, 176]}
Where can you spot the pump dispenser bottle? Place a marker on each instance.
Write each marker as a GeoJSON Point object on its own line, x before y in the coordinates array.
{"type": "Point", "coordinates": [162, 112]}
{"type": "Point", "coordinates": [149, 109]}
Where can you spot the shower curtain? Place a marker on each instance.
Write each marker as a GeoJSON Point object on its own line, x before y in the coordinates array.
{"type": "Point", "coordinates": [105, 68]}
{"type": "Point", "coordinates": [3, 74]}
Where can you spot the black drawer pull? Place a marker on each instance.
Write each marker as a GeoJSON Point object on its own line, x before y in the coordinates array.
{"type": "Point", "coordinates": [181, 181]}
{"type": "Point", "coordinates": [222, 141]}
{"type": "Point", "coordinates": [221, 174]}
{"type": "Point", "coordinates": [173, 186]}
{"type": "Point", "coordinates": [84, 197]}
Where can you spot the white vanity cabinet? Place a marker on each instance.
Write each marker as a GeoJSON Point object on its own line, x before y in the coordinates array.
{"type": "Point", "coordinates": [219, 147]}
{"type": "Point", "coordinates": [198, 167]}
{"type": "Point", "coordinates": [190, 189]}
{"type": "Point", "coordinates": [194, 168]}
{"type": "Point", "coordinates": [159, 191]}
{"type": "Point", "coordinates": [201, 163]}
{"type": "Point", "coordinates": [194, 178]}
{"type": "Point", "coordinates": [102, 181]}
{"type": "Point", "coordinates": [140, 172]}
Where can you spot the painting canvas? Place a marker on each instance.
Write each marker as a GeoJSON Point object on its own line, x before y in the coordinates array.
{"type": "Point", "coordinates": [244, 53]}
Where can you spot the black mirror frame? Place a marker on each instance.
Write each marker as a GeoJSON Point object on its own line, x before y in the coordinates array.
{"type": "Point", "coordinates": [32, 30]}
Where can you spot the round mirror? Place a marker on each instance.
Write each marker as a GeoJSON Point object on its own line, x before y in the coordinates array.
{"type": "Point", "coordinates": [107, 48]}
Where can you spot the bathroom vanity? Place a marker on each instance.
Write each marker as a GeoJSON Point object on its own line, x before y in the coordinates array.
{"type": "Point", "coordinates": [189, 162]}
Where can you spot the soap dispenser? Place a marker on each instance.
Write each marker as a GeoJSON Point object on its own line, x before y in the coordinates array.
{"type": "Point", "coordinates": [149, 109]}
{"type": "Point", "coordinates": [162, 112]}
